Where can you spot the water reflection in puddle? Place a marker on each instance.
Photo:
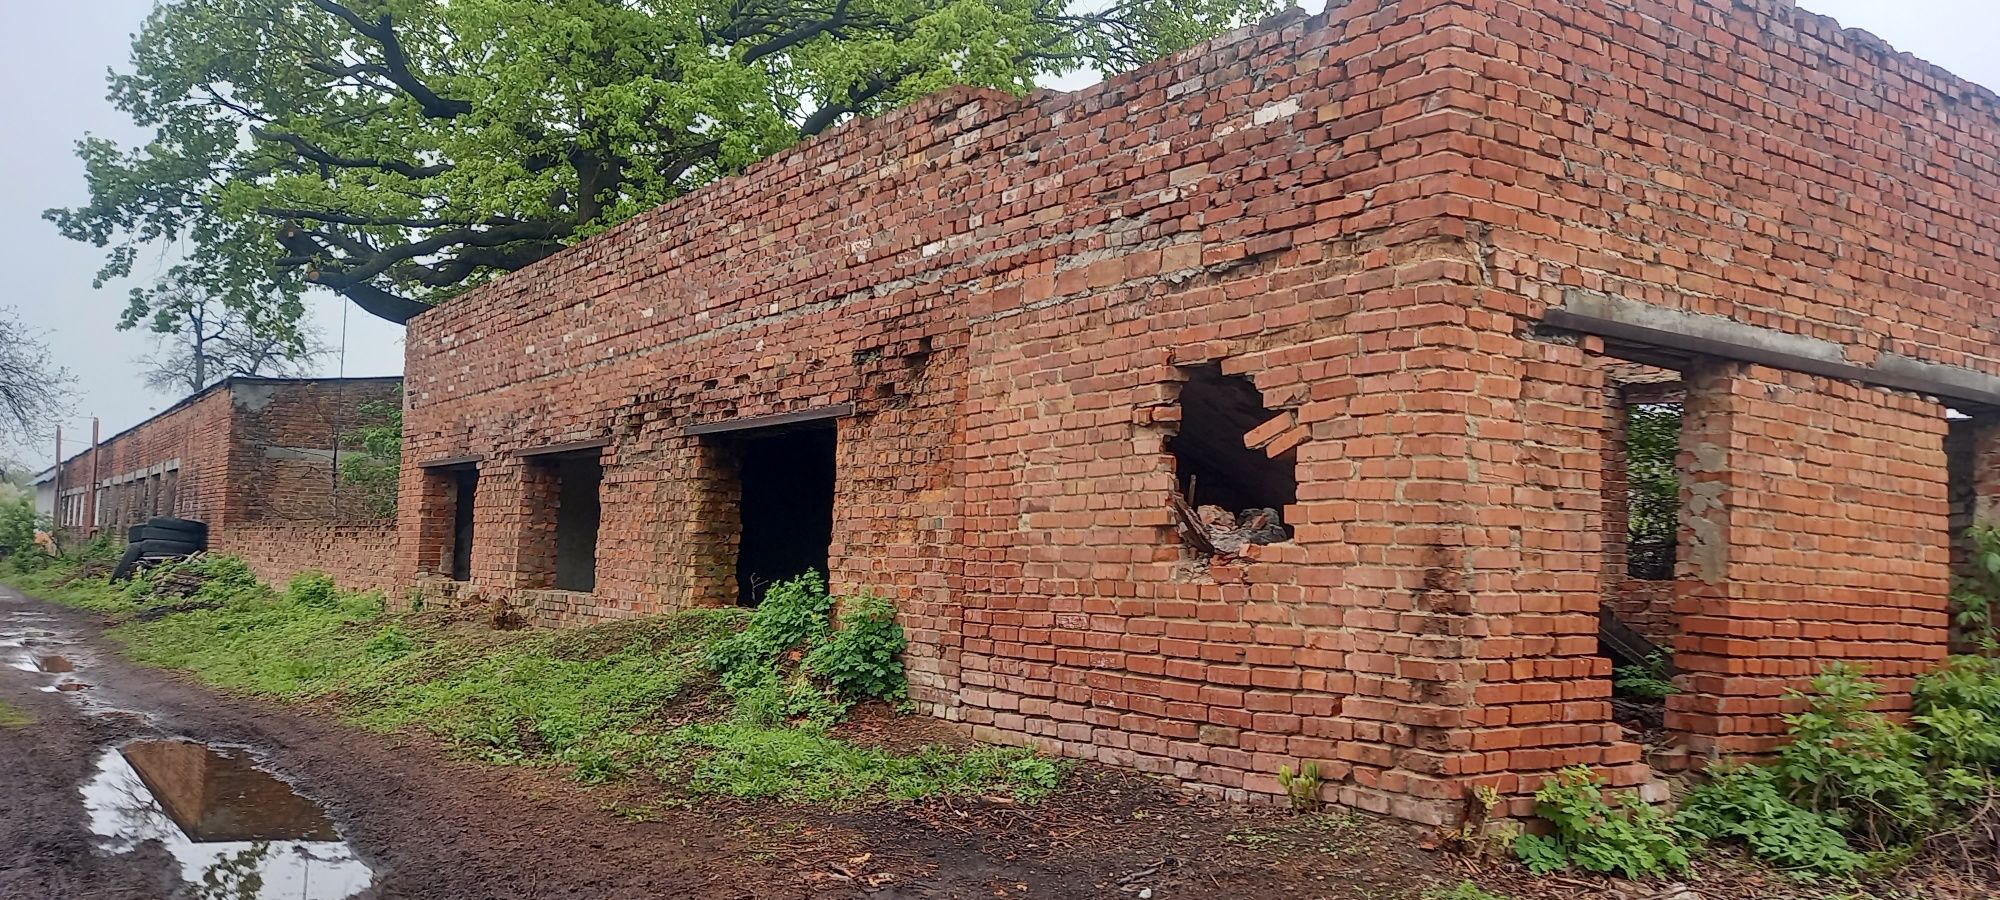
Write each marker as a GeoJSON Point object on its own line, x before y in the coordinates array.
{"type": "Point", "coordinates": [237, 831]}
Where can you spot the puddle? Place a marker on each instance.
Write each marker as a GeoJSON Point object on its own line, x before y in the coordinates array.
{"type": "Point", "coordinates": [56, 664]}
{"type": "Point", "coordinates": [237, 830]}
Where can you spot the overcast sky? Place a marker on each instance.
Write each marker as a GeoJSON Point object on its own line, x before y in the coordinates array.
{"type": "Point", "coordinates": [53, 57]}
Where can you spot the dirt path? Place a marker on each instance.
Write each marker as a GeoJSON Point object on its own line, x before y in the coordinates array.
{"type": "Point", "coordinates": [430, 826]}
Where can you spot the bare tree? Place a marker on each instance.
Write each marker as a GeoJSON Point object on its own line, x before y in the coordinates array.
{"type": "Point", "coordinates": [203, 340]}
{"type": "Point", "coordinates": [32, 387]}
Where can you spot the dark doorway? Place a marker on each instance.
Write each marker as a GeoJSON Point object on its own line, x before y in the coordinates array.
{"type": "Point", "coordinates": [577, 514]}
{"type": "Point", "coordinates": [787, 508]}
{"type": "Point", "coordinates": [465, 485]}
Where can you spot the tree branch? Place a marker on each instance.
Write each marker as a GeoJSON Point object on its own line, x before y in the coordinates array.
{"type": "Point", "coordinates": [857, 97]}
{"type": "Point", "coordinates": [360, 221]}
{"type": "Point", "coordinates": [396, 61]}
{"type": "Point", "coordinates": [831, 22]}
{"type": "Point", "coordinates": [309, 151]}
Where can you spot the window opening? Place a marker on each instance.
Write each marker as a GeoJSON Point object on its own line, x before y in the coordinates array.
{"type": "Point", "coordinates": [1236, 462]}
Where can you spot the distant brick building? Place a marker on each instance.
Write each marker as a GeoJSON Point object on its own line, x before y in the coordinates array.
{"type": "Point", "coordinates": [255, 458]}
{"type": "Point", "coordinates": [1376, 269]}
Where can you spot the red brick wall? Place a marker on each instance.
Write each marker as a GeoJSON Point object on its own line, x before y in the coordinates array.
{"type": "Point", "coordinates": [192, 433]}
{"type": "Point", "coordinates": [1816, 532]}
{"type": "Point", "coordinates": [1363, 213]}
{"type": "Point", "coordinates": [354, 554]}
{"type": "Point", "coordinates": [255, 458]}
{"type": "Point", "coordinates": [287, 434]}
{"type": "Point", "coordinates": [1746, 159]}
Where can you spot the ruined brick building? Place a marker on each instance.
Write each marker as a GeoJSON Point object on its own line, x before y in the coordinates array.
{"type": "Point", "coordinates": [1390, 271]}
{"type": "Point", "coordinates": [255, 458]}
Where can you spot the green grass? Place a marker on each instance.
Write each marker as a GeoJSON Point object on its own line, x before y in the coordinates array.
{"type": "Point", "coordinates": [1465, 890]}
{"type": "Point", "coordinates": [12, 717]}
{"type": "Point", "coordinates": [629, 700]}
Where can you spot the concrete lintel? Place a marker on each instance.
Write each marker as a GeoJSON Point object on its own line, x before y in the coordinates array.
{"type": "Point", "coordinates": [1632, 321]}
{"type": "Point", "coordinates": [449, 461]}
{"type": "Point", "coordinates": [568, 447]}
{"type": "Point", "coordinates": [779, 420]}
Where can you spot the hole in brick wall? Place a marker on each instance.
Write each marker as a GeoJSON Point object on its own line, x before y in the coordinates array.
{"type": "Point", "coordinates": [786, 507]}
{"type": "Point", "coordinates": [1236, 461]}
{"type": "Point", "coordinates": [577, 477]}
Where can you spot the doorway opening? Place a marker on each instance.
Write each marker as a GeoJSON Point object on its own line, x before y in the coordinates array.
{"type": "Point", "coordinates": [464, 488]}
{"type": "Point", "coordinates": [786, 486]}
{"type": "Point", "coordinates": [1644, 480]}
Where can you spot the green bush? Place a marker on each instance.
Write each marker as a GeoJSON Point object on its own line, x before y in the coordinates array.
{"type": "Point", "coordinates": [1748, 805]}
{"type": "Point", "coordinates": [374, 473]}
{"type": "Point", "coordinates": [1854, 765]}
{"type": "Point", "coordinates": [1651, 681]}
{"type": "Point", "coordinates": [793, 613]}
{"type": "Point", "coordinates": [17, 529]}
{"type": "Point", "coordinates": [313, 588]}
{"type": "Point", "coordinates": [1976, 592]}
{"type": "Point", "coordinates": [1855, 778]}
{"type": "Point", "coordinates": [860, 660]}
{"type": "Point", "coordinates": [1631, 838]}
{"type": "Point", "coordinates": [864, 659]}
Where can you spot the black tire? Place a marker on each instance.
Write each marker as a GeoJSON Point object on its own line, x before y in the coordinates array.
{"type": "Point", "coordinates": [172, 529]}
{"type": "Point", "coordinates": [164, 548]}
{"type": "Point", "coordinates": [138, 533]}
{"type": "Point", "coordinates": [127, 563]}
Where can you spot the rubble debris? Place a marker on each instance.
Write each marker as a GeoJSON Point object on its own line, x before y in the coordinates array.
{"type": "Point", "coordinates": [1215, 531]}
{"type": "Point", "coordinates": [90, 569]}
{"type": "Point", "coordinates": [178, 582]}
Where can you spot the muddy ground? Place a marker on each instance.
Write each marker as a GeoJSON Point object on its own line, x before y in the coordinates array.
{"type": "Point", "coordinates": [433, 826]}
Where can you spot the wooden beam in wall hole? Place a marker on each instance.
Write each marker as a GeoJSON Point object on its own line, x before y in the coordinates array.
{"type": "Point", "coordinates": [452, 461]}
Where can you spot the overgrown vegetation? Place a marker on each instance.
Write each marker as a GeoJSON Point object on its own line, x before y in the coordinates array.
{"type": "Point", "coordinates": [1975, 595]}
{"type": "Point", "coordinates": [1653, 680]}
{"type": "Point", "coordinates": [1652, 443]}
{"type": "Point", "coordinates": [742, 703]}
{"type": "Point", "coordinates": [374, 472]}
{"type": "Point", "coordinates": [1855, 790]}
{"type": "Point", "coordinates": [17, 527]}
{"type": "Point", "coordinates": [1622, 835]}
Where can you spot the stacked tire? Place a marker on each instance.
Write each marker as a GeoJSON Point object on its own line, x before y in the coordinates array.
{"type": "Point", "coordinates": [161, 538]}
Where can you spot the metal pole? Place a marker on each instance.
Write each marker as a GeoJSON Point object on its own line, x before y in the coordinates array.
{"type": "Point", "coordinates": [91, 524]}
{"type": "Point", "coordinates": [57, 511]}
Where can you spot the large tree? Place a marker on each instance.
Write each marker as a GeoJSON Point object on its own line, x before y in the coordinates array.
{"type": "Point", "coordinates": [398, 152]}
{"type": "Point", "coordinates": [32, 387]}
{"type": "Point", "coordinates": [202, 340]}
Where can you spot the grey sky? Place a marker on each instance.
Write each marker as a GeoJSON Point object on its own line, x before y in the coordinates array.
{"type": "Point", "coordinates": [54, 56]}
